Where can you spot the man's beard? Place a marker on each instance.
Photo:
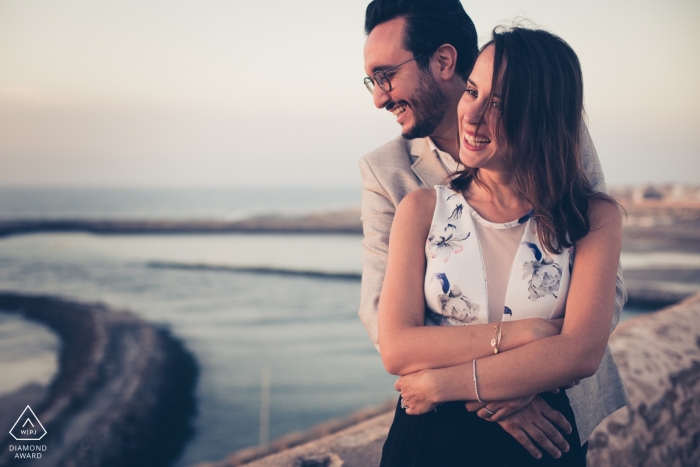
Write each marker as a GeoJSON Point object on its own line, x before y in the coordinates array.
{"type": "Point", "coordinates": [428, 105]}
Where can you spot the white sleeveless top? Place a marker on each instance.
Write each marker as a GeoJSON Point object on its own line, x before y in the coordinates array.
{"type": "Point", "coordinates": [527, 281]}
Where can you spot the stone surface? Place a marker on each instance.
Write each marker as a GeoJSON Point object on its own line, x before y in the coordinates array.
{"type": "Point", "coordinates": [358, 446]}
{"type": "Point", "coordinates": [354, 440]}
{"type": "Point", "coordinates": [659, 358]}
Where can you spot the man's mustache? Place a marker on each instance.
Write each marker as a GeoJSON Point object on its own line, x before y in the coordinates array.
{"type": "Point", "coordinates": [391, 104]}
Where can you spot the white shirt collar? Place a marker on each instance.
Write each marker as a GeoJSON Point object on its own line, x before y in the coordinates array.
{"type": "Point", "coordinates": [447, 161]}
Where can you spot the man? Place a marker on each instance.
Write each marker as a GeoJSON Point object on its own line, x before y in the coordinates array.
{"type": "Point", "coordinates": [418, 55]}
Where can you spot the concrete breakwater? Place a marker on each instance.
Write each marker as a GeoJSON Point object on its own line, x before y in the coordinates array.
{"type": "Point", "coordinates": [342, 222]}
{"type": "Point", "coordinates": [123, 394]}
{"type": "Point", "coordinates": [659, 359]}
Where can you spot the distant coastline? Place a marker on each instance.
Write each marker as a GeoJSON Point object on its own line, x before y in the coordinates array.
{"type": "Point", "coordinates": [340, 222]}
{"type": "Point", "coordinates": [669, 215]}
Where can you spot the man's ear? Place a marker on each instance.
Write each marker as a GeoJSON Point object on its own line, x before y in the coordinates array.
{"type": "Point", "coordinates": [445, 59]}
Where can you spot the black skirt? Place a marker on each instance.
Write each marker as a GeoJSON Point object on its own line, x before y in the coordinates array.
{"type": "Point", "coordinates": [452, 436]}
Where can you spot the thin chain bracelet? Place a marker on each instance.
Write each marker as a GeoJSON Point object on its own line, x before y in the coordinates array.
{"type": "Point", "coordinates": [476, 388]}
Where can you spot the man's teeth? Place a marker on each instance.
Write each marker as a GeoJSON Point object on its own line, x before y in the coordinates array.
{"type": "Point", "coordinates": [398, 110]}
{"type": "Point", "coordinates": [474, 141]}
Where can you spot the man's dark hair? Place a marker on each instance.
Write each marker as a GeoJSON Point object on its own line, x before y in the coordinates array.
{"type": "Point", "coordinates": [429, 24]}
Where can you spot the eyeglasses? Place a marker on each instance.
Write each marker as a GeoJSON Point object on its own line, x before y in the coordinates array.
{"type": "Point", "coordinates": [381, 77]}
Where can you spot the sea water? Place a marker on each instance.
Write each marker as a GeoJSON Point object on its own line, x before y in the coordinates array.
{"type": "Point", "coordinates": [304, 331]}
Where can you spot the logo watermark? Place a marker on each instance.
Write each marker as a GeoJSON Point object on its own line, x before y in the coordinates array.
{"type": "Point", "coordinates": [28, 428]}
{"type": "Point", "coordinates": [27, 451]}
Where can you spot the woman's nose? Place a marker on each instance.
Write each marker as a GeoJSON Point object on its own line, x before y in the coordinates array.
{"type": "Point", "coordinates": [474, 112]}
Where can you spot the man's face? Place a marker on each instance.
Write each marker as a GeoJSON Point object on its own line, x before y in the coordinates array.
{"type": "Point", "coordinates": [415, 99]}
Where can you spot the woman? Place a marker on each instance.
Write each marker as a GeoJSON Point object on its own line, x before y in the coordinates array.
{"type": "Point", "coordinates": [497, 246]}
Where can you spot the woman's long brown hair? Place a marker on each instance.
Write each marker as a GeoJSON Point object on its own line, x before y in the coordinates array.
{"type": "Point", "coordinates": [540, 120]}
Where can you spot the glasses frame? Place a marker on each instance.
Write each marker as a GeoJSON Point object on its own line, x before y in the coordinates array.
{"type": "Point", "coordinates": [370, 82]}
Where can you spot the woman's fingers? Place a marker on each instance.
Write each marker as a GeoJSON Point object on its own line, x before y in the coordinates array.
{"type": "Point", "coordinates": [474, 406]}
{"type": "Point", "coordinates": [490, 410]}
{"type": "Point", "coordinates": [484, 413]}
{"type": "Point", "coordinates": [417, 408]}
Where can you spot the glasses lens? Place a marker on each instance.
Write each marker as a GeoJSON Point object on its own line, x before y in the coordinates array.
{"type": "Point", "coordinates": [369, 84]}
{"type": "Point", "coordinates": [382, 81]}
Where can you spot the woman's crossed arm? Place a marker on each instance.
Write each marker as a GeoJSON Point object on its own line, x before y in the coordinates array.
{"type": "Point", "coordinates": [408, 346]}
{"type": "Point", "coordinates": [552, 361]}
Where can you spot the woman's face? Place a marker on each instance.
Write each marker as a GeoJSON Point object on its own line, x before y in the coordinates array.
{"type": "Point", "coordinates": [480, 149]}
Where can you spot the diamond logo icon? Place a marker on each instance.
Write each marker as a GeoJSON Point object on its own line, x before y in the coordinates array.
{"type": "Point", "coordinates": [28, 427]}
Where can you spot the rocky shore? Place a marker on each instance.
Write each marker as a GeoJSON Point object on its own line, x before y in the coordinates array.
{"type": "Point", "coordinates": [123, 394]}
{"type": "Point", "coordinates": [659, 358]}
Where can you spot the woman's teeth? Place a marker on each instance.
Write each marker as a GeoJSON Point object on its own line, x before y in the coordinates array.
{"type": "Point", "coordinates": [398, 110]}
{"type": "Point", "coordinates": [476, 141]}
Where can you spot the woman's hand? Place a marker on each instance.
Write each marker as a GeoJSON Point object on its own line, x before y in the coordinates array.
{"type": "Point", "coordinates": [496, 411]}
{"type": "Point", "coordinates": [417, 392]}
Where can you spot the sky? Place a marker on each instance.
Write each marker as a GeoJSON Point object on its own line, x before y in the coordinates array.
{"type": "Point", "coordinates": [214, 93]}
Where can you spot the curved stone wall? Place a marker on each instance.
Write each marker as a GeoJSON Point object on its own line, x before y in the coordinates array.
{"type": "Point", "coordinates": [124, 392]}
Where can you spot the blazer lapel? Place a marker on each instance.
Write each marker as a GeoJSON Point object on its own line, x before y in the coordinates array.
{"type": "Point", "coordinates": [427, 166]}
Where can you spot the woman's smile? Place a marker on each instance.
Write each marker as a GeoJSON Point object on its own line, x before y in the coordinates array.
{"type": "Point", "coordinates": [474, 142]}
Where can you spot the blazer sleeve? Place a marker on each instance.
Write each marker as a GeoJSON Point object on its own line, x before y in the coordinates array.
{"type": "Point", "coordinates": [377, 216]}
{"type": "Point", "coordinates": [594, 172]}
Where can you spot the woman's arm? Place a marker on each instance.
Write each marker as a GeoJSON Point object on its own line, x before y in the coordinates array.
{"type": "Point", "coordinates": [556, 360]}
{"type": "Point", "coordinates": [406, 344]}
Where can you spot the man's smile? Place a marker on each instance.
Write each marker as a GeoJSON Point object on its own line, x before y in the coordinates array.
{"type": "Point", "coordinates": [398, 110]}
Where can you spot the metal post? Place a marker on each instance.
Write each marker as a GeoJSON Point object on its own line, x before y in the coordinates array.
{"type": "Point", "coordinates": [265, 407]}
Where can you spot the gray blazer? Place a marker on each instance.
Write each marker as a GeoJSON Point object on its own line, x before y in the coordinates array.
{"type": "Point", "coordinates": [392, 171]}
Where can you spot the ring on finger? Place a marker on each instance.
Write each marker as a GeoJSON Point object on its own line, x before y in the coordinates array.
{"type": "Point", "coordinates": [487, 410]}
{"type": "Point", "coordinates": [402, 405]}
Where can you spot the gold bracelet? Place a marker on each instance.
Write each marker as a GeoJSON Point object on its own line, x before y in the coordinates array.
{"type": "Point", "coordinates": [496, 339]}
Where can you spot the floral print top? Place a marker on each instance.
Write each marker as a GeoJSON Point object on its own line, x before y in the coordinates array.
{"type": "Point", "coordinates": [455, 281]}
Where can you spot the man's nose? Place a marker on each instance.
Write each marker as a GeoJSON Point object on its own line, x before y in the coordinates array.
{"type": "Point", "coordinates": [380, 97]}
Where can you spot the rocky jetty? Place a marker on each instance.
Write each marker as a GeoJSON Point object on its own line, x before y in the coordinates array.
{"type": "Point", "coordinates": [341, 222]}
{"type": "Point", "coordinates": [123, 395]}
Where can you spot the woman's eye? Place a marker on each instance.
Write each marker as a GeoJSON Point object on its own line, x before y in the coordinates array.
{"type": "Point", "coordinates": [472, 92]}
{"type": "Point", "coordinates": [495, 104]}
